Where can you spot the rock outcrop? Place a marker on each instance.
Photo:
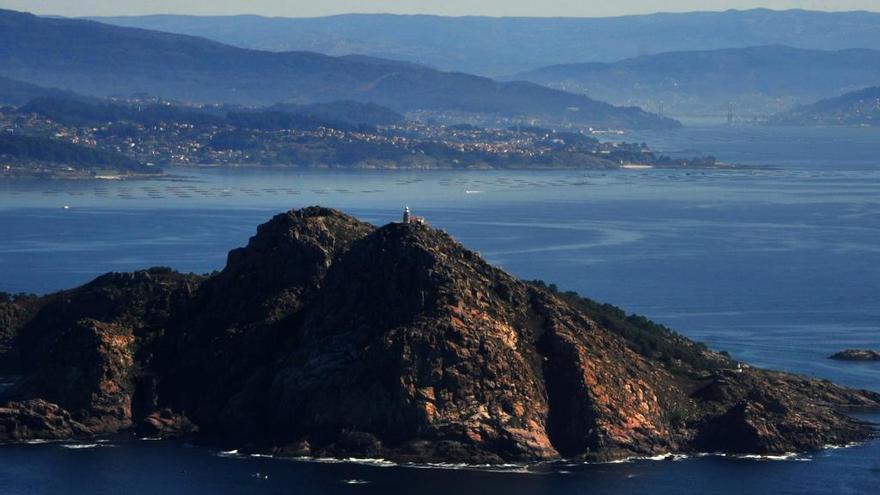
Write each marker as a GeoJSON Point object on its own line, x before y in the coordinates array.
{"type": "Point", "coordinates": [326, 336]}
{"type": "Point", "coordinates": [87, 351]}
{"type": "Point", "coordinates": [856, 355]}
{"type": "Point", "coordinates": [166, 424]}
{"type": "Point", "coordinates": [15, 311]}
{"type": "Point", "coordinates": [37, 419]}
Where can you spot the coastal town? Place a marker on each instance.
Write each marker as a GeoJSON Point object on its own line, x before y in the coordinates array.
{"type": "Point", "coordinates": [182, 136]}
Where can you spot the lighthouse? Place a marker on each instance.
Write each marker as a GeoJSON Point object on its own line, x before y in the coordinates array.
{"type": "Point", "coordinates": [409, 218]}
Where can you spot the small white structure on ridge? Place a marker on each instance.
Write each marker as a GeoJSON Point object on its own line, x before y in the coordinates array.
{"type": "Point", "coordinates": [408, 217]}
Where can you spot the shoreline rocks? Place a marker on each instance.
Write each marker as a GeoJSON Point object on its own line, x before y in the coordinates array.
{"type": "Point", "coordinates": [166, 424]}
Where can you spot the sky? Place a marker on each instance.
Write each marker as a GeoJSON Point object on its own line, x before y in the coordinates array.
{"type": "Point", "coordinates": [311, 8]}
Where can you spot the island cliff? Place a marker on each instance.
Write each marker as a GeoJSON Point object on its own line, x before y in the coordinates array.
{"type": "Point", "coordinates": [326, 336]}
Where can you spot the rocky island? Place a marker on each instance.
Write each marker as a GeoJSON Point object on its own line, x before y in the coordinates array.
{"type": "Point", "coordinates": [327, 336]}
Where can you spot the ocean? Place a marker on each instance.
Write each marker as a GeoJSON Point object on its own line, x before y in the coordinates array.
{"type": "Point", "coordinates": [777, 263]}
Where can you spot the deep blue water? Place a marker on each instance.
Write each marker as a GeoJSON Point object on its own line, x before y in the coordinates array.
{"type": "Point", "coordinates": [778, 266]}
{"type": "Point", "coordinates": [146, 467]}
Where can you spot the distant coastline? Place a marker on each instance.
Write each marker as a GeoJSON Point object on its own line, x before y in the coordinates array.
{"type": "Point", "coordinates": [73, 137]}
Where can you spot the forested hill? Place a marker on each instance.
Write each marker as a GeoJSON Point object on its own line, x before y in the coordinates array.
{"type": "Point", "coordinates": [858, 108]}
{"type": "Point", "coordinates": [42, 156]}
{"type": "Point", "coordinates": [16, 93]}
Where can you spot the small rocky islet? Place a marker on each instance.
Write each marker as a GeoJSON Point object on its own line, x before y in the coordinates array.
{"type": "Point", "coordinates": [327, 336]}
{"type": "Point", "coordinates": [856, 355]}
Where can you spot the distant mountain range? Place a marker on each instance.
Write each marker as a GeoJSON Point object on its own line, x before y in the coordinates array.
{"type": "Point", "coordinates": [98, 59]}
{"type": "Point", "coordinates": [858, 108]}
{"type": "Point", "coordinates": [757, 80]}
{"type": "Point", "coordinates": [500, 46]}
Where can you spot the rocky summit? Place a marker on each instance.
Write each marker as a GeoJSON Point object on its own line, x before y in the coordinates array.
{"type": "Point", "coordinates": [327, 336]}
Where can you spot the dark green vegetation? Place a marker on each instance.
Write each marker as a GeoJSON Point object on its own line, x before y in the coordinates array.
{"type": "Point", "coordinates": [756, 80]}
{"type": "Point", "coordinates": [858, 108]}
{"type": "Point", "coordinates": [101, 60]}
{"type": "Point", "coordinates": [82, 112]}
{"type": "Point", "coordinates": [17, 93]}
{"type": "Point", "coordinates": [15, 309]}
{"type": "Point", "coordinates": [275, 120]}
{"type": "Point", "coordinates": [502, 46]}
{"type": "Point", "coordinates": [327, 336]}
{"type": "Point", "coordinates": [42, 156]}
{"type": "Point", "coordinates": [78, 111]}
{"type": "Point", "coordinates": [649, 339]}
{"type": "Point", "coordinates": [351, 112]}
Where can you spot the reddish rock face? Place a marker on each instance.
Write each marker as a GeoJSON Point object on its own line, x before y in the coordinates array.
{"type": "Point", "coordinates": [89, 370]}
{"type": "Point", "coordinates": [166, 424]}
{"type": "Point", "coordinates": [327, 336]}
{"type": "Point", "coordinates": [84, 350]}
{"type": "Point", "coordinates": [27, 420]}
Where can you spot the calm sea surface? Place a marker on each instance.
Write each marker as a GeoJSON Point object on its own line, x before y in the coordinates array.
{"type": "Point", "coordinates": [780, 266]}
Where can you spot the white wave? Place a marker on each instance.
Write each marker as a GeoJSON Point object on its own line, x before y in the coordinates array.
{"type": "Point", "coordinates": [384, 463]}
{"type": "Point", "coordinates": [500, 468]}
{"type": "Point", "coordinates": [150, 439]}
{"type": "Point", "coordinates": [844, 446]}
{"type": "Point", "coordinates": [355, 482]}
{"type": "Point", "coordinates": [378, 462]}
{"type": "Point", "coordinates": [658, 457]}
{"type": "Point", "coordinates": [78, 446]}
{"type": "Point", "coordinates": [789, 456]}
{"type": "Point", "coordinates": [526, 468]}
{"type": "Point", "coordinates": [366, 461]}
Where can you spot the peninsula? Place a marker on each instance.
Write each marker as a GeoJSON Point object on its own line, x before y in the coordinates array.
{"type": "Point", "coordinates": [148, 133]}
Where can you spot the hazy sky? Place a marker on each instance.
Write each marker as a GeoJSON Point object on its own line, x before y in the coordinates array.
{"type": "Point", "coordinates": [306, 8]}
